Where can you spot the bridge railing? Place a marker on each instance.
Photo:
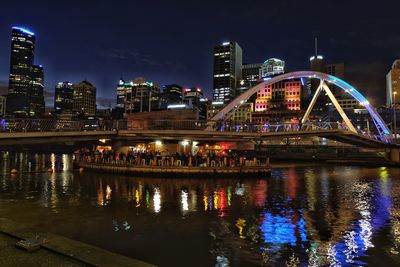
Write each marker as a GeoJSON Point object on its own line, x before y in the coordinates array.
{"type": "Point", "coordinates": [55, 125]}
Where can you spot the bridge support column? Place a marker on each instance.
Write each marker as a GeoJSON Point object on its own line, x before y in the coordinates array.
{"type": "Point", "coordinates": [395, 154]}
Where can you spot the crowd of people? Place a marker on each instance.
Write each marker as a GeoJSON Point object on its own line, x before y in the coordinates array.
{"type": "Point", "coordinates": [164, 158]}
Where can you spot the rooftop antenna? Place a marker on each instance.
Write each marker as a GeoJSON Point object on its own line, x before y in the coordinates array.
{"type": "Point", "coordinates": [316, 46]}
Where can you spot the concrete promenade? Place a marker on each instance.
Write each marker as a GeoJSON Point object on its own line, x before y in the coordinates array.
{"type": "Point", "coordinates": [58, 251]}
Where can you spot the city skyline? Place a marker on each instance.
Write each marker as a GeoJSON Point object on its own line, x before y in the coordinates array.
{"type": "Point", "coordinates": [102, 56]}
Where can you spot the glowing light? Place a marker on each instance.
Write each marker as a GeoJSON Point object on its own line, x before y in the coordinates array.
{"type": "Point", "coordinates": [225, 43]}
{"type": "Point", "coordinates": [176, 106]}
{"type": "Point", "coordinates": [157, 200]}
{"type": "Point", "coordinates": [108, 192]}
{"type": "Point", "coordinates": [24, 30]}
{"type": "Point", "coordinates": [184, 201]}
{"type": "Point", "coordinates": [158, 143]}
{"type": "Point", "coordinates": [185, 142]}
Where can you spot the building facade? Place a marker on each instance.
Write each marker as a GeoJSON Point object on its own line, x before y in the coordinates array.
{"type": "Point", "coordinates": [250, 77]}
{"type": "Point", "coordinates": [26, 81]}
{"type": "Point", "coordinates": [192, 95]}
{"type": "Point", "coordinates": [278, 101]}
{"type": "Point", "coordinates": [172, 95]}
{"type": "Point", "coordinates": [144, 96]}
{"type": "Point", "coordinates": [84, 100]}
{"type": "Point", "coordinates": [63, 98]}
{"type": "Point", "coordinates": [272, 67]}
{"type": "Point", "coordinates": [393, 85]}
{"type": "Point", "coordinates": [227, 71]}
{"type": "Point", "coordinates": [243, 114]}
{"type": "Point", "coordinates": [124, 88]}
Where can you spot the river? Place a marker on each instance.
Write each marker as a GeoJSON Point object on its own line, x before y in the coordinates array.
{"type": "Point", "coordinates": [303, 215]}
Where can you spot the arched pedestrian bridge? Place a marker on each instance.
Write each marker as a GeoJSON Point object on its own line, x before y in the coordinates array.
{"type": "Point", "coordinates": [27, 131]}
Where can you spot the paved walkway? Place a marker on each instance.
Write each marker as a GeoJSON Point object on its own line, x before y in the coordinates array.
{"type": "Point", "coordinates": [12, 256]}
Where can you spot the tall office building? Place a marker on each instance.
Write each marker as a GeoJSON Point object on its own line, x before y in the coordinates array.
{"type": "Point", "coordinates": [393, 84]}
{"type": "Point", "coordinates": [124, 89]}
{"type": "Point", "coordinates": [144, 97]}
{"type": "Point", "coordinates": [250, 77]}
{"type": "Point", "coordinates": [272, 67]}
{"type": "Point", "coordinates": [63, 98]}
{"type": "Point", "coordinates": [172, 94]}
{"type": "Point", "coordinates": [25, 90]}
{"type": "Point", "coordinates": [336, 70]}
{"type": "Point", "coordinates": [84, 98]}
{"type": "Point", "coordinates": [227, 71]}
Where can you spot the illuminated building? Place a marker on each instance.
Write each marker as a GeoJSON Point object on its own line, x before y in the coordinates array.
{"type": "Point", "coordinates": [279, 99]}
{"type": "Point", "coordinates": [63, 98]}
{"type": "Point", "coordinates": [227, 71]}
{"type": "Point", "coordinates": [393, 84]}
{"type": "Point", "coordinates": [242, 114]}
{"type": "Point", "coordinates": [250, 77]}
{"type": "Point", "coordinates": [192, 95]}
{"type": "Point", "coordinates": [144, 97]}
{"type": "Point", "coordinates": [123, 89]}
{"type": "Point", "coordinates": [171, 95]}
{"type": "Point", "coordinates": [25, 90]}
{"type": "Point", "coordinates": [272, 67]}
{"type": "Point", "coordinates": [84, 98]}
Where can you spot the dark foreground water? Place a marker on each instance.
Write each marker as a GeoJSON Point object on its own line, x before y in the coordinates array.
{"type": "Point", "coordinates": [302, 216]}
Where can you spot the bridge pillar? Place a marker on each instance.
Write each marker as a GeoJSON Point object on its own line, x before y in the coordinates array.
{"type": "Point", "coordinates": [395, 154]}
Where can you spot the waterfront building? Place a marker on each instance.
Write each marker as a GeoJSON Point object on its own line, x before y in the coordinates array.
{"type": "Point", "coordinates": [63, 98]}
{"type": "Point", "coordinates": [171, 95]}
{"type": "Point", "coordinates": [393, 85]}
{"type": "Point", "coordinates": [227, 71]}
{"type": "Point", "coordinates": [272, 67]}
{"type": "Point", "coordinates": [25, 90]}
{"type": "Point", "coordinates": [84, 100]}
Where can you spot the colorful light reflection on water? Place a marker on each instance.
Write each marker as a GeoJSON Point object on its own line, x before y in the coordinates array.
{"type": "Point", "coordinates": [315, 216]}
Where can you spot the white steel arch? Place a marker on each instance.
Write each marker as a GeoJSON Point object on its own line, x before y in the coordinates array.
{"type": "Point", "coordinates": [325, 78]}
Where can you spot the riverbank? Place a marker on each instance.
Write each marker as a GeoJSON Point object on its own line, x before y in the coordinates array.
{"type": "Point", "coordinates": [175, 171]}
{"type": "Point", "coordinates": [57, 251]}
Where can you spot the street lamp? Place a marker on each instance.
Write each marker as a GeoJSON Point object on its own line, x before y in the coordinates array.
{"type": "Point", "coordinates": [394, 117]}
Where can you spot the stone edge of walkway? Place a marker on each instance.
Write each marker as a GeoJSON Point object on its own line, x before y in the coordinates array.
{"type": "Point", "coordinates": [85, 253]}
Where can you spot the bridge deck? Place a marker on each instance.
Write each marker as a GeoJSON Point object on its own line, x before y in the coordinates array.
{"type": "Point", "coordinates": [21, 138]}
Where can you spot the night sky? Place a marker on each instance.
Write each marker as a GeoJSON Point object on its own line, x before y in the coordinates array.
{"type": "Point", "coordinates": [172, 41]}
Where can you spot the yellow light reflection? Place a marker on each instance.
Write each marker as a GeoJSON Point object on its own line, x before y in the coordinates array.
{"type": "Point", "coordinates": [240, 224]}
{"type": "Point", "coordinates": [205, 201]}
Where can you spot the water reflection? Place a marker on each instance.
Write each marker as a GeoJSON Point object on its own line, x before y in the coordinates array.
{"type": "Point", "coordinates": [314, 216]}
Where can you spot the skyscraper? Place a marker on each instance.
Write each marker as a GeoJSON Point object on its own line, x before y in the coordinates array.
{"type": "Point", "coordinates": [227, 71]}
{"type": "Point", "coordinates": [84, 98]}
{"type": "Point", "coordinates": [25, 90]}
{"type": "Point", "coordinates": [172, 94]}
{"type": "Point", "coordinates": [393, 84]}
{"type": "Point", "coordinates": [63, 98]}
{"type": "Point", "coordinates": [144, 97]}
